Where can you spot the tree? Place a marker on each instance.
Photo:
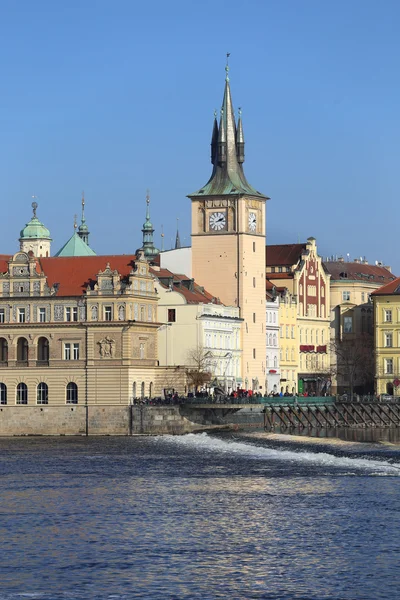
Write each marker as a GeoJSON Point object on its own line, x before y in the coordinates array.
{"type": "Point", "coordinates": [200, 367]}
{"type": "Point", "coordinates": [355, 360]}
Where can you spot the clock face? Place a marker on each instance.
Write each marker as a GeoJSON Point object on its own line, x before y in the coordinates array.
{"type": "Point", "coordinates": [252, 221]}
{"type": "Point", "coordinates": [217, 221]}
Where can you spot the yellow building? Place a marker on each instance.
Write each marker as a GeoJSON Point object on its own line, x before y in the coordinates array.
{"type": "Point", "coordinates": [386, 302]}
{"type": "Point", "coordinates": [228, 240]}
{"type": "Point", "coordinates": [288, 342]}
{"type": "Point", "coordinates": [351, 286]}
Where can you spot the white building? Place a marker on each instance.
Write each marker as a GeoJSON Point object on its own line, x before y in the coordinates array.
{"type": "Point", "coordinates": [273, 377]}
{"type": "Point", "coordinates": [194, 320]}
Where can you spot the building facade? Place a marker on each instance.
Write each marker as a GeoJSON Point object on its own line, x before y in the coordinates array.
{"type": "Point", "coordinates": [352, 319]}
{"type": "Point", "coordinates": [77, 330]}
{"type": "Point", "coordinates": [288, 342]}
{"type": "Point", "coordinates": [197, 327]}
{"type": "Point", "coordinates": [273, 378]}
{"type": "Point", "coordinates": [386, 305]}
{"type": "Point", "coordinates": [299, 268]}
{"type": "Point", "coordinates": [228, 240]}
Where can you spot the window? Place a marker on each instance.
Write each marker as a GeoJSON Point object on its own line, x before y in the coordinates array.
{"type": "Point", "coordinates": [3, 350]}
{"type": "Point", "coordinates": [281, 331]}
{"type": "Point", "coordinates": [254, 352]}
{"type": "Point", "coordinates": [42, 315]}
{"type": "Point", "coordinates": [71, 351]}
{"type": "Point", "coordinates": [22, 393]}
{"type": "Point", "coordinates": [108, 313]}
{"type": "Point", "coordinates": [171, 315]}
{"type": "Point", "coordinates": [275, 340]}
{"type": "Point", "coordinates": [348, 324]}
{"type": "Point", "coordinates": [42, 394]}
{"type": "Point", "coordinates": [71, 313]}
{"type": "Point", "coordinates": [72, 393]}
{"type": "Point", "coordinates": [22, 350]}
{"type": "Point", "coordinates": [388, 316]}
{"type": "Point", "coordinates": [3, 393]}
{"type": "Point", "coordinates": [141, 350]}
{"type": "Point", "coordinates": [280, 269]}
{"type": "Point", "coordinates": [254, 246]}
{"type": "Point", "coordinates": [275, 362]}
{"type": "Point", "coordinates": [388, 366]}
{"type": "Point", "coordinates": [272, 269]}
{"type": "Point", "coordinates": [43, 349]}
{"type": "Point", "coordinates": [21, 315]}
{"type": "Point", "coordinates": [388, 337]}
{"type": "Point", "coordinates": [362, 296]}
{"type": "Point", "coordinates": [292, 332]}
{"type": "Point", "coordinates": [254, 282]}
{"type": "Point", "coordinates": [2, 315]}
{"type": "Point", "coordinates": [346, 296]}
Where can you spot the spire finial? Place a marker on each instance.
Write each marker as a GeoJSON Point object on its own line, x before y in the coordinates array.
{"type": "Point", "coordinates": [83, 206]}
{"type": "Point", "coordinates": [75, 223]}
{"type": "Point", "coordinates": [215, 113]}
{"type": "Point", "coordinates": [227, 66]}
{"type": "Point", "coordinates": [177, 239]}
{"type": "Point", "coordinates": [34, 206]}
{"type": "Point", "coordinates": [240, 111]}
{"type": "Point", "coordinates": [147, 196]}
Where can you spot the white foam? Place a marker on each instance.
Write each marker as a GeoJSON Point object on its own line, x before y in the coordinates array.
{"type": "Point", "coordinates": [206, 443]}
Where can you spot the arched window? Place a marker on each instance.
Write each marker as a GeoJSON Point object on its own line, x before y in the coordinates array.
{"type": "Point", "coordinates": [42, 393]}
{"type": "Point", "coordinates": [270, 339]}
{"type": "Point", "coordinates": [22, 350]}
{"type": "Point", "coordinates": [275, 362]}
{"type": "Point", "coordinates": [3, 393]}
{"type": "Point", "coordinates": [72, 393]}
{"type": "Point", "coordinates": [43, 350]}
{"type": "Point", "coordinates": [142, 390]}
{"type": "Point", "coordinates": [275, 340]}
{"type": "Point", "coordinates": [151, 390]}
{"type": "Point", "coordinates": [3, 351]}
{"type": "Point", "coordinates": [22, 392]}
{"type": "Point", "coordinates": [134, 390]}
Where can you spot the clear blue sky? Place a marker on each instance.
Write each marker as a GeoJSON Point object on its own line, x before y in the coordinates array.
{"type": "Point", "coordinates": [116, 97]}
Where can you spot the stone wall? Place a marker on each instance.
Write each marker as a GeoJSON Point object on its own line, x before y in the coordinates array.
{"type": "Point", "coordinates": [94, 420]}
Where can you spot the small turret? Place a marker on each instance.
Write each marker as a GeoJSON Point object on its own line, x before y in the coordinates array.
{"type": "Point", "coordinates": [240, 140]}
{"type": "Point", "coordinates": [148, 248]}
{"type": "Point", "coordinates": [83, 230]}
{"type": "Point", "coordinates": [35, 237]}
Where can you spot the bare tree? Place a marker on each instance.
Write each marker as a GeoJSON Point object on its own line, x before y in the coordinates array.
{"type": "Point", "coordinates": [355, 360]}
{"type": "Point", "coordinates": [200, 366]}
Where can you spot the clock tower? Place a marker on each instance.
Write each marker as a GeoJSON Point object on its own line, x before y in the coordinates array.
{"type": "Point", "coordinates": [228, 239]}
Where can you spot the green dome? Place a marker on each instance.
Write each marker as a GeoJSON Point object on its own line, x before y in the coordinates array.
{"type": "Point", "coordinates": [35, 230]}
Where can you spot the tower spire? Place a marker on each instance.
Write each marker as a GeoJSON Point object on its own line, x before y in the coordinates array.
{"type": "Point", "coordinates": [227, 151]}
{"type": "Point", "coordinates": [83, 230]}
{"type": "Point", "coordinates": [177, 239]}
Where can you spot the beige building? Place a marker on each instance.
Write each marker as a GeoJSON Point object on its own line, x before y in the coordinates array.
{"type": "Point", "coordinates": [299, 268]}
{"type": "Point", "coordinates": [195, 324]}
{"type": "Point", "coordinates": [77, 330]}
{"type": "Point", "coordinates": [351, 286]}
{"type": "Point", "coordinates": [228, 240]}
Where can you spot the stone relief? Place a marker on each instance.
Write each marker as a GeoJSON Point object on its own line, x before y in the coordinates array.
{"type": "Point", "coordinates": [36, 288]}
{"type": "Point", "coordinates": [82, 313]}
{"type": "Point", "coordinates": [21, 287]}
{"type": "Point", "coordinates": [6, 288]}
{"type": "Point", "coordinates": [107, 347]}
{"type": "Point", "coordinates": [121, 313]}
{"type": "Point", "coordinates": [106, 284]}
{"type": "Point", "coordinates": [95, 313]}
{"type": "Point", "coordinates": [59, 312]}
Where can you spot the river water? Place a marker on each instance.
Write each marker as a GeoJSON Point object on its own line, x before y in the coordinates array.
{"type": "Point", "coordinates": [199, 516]}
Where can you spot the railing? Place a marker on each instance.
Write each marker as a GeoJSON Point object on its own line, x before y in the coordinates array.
{"type": "Point", "coordinates": [224, 400]}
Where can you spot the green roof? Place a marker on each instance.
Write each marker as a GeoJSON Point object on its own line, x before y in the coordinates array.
{"type": "Point", "coordinates": [35, 230]}
{"type": "Point", "coordinates": [75, 247]}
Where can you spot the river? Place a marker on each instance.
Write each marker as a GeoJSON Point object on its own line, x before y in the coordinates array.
{"type": "Point", "coordinates": [238, 516]}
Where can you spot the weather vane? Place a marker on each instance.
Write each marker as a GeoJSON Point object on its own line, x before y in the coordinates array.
{"type": "Point", "coordinates": [34, 205]}
{"type": "Point", "coordinates": [148, 196]}
{"type": "Point", "coordinates": [227, 66]}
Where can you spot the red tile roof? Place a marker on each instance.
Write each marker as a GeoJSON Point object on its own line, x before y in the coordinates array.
{"type": "Point", "coordinates": [196, 296]}
{"type": "Point", "coordinates": [342, 271]}
{"type": "Point", "coordinates": [390, 288]}
{"type": "Point", "coordinates": [75, 273]}
{"type": "Point", "coordinates": [284, 254]}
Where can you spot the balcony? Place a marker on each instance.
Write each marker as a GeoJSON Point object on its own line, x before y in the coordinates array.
{"type": "Point", "coordinates": [307, 348]}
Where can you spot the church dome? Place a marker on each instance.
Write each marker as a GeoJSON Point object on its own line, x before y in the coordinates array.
{"type": "Point", "coordinates": [35, 230]}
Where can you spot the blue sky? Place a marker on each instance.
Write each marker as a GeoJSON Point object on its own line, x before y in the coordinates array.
{"type": "Point", "coordinates": [117, 97]}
